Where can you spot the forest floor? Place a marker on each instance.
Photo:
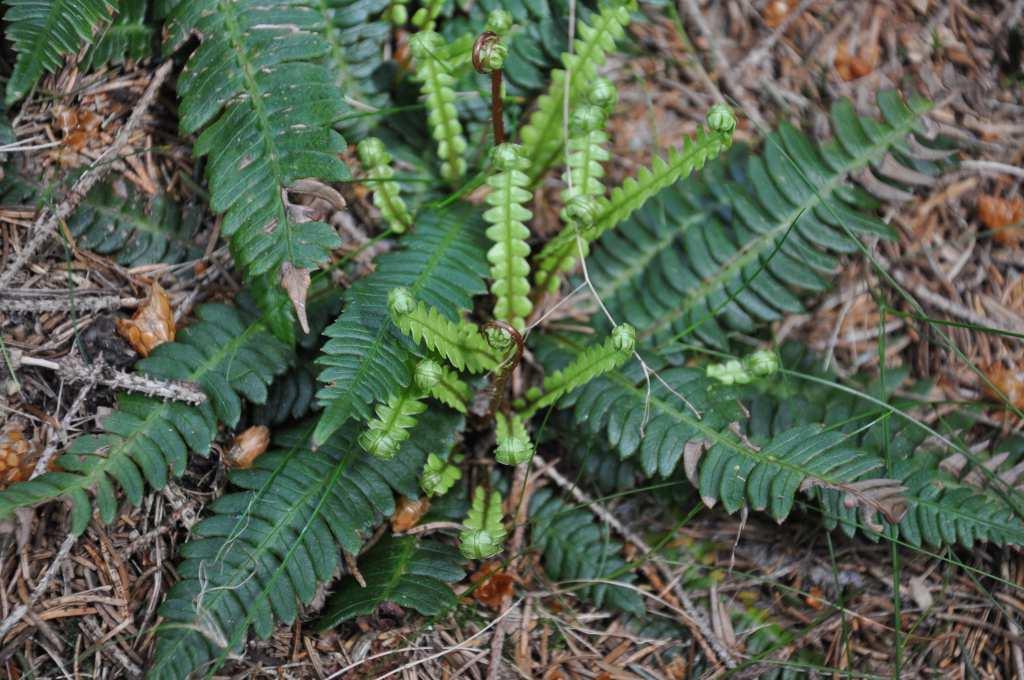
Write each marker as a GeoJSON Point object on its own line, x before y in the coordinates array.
{"type": "Point", "coordinates": [808, 594]}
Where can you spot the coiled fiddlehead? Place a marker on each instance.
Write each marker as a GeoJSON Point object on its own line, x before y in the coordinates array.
{"type": "Point", "coordinates": [483, 534]}
{"type": "Point", "coordinates": [377, 165]}
{"type": "Point", "coordinates": [509, 267]}
{"type": "Point", "coordinates": [439, 93]}
{"type": "Point", "coordinates": [395, 418]}
{"type": "Point", "coordinates": [514, 446]}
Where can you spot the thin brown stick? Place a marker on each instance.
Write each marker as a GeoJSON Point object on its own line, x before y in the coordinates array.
{"type": "Point", "coordinates": [486, 40]}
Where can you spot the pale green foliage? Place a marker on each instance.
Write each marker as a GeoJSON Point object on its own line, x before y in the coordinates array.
{"type": "Point", "coordinates": [428, 50]}
{"type": "Point", "coordinates": [759, 364]}
{"type": "Point", "coordinates": [460, 343]}
{"type": "Point", "coordinates": [385, 433]}
{"type": "Point", "coordinates": [439, 476]}
{"type": "Point", "coordinates": [450, 390]}
{"type": "Point", "coordinates": [483, 534]}
{"type": "Point", "coordinates": [510, 270]}
{"type": "Point", "coordinates": [514, 446]}
{"type": "Point", "coordinates": [543, 136]}
{"type": "Point", "coordinates": [386, 192]}
{"type": "Point", "coordinates": [589, 364]}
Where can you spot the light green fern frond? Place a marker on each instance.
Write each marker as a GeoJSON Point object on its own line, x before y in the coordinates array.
{"type": "Point", "coordinates": [514, 446]}
{"type": "Point", "coordinates": [438, 476]}
{"type": "Point", "coordinates": [428, 50]}
{"type": "Point", "coordinates": [377, 166]}
{"type": "Point", "coordinates": [483, 534]}
{"type": "Point", "coordinates": [510, 270]}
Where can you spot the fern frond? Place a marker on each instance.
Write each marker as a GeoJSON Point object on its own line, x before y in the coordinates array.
{"type": "Point", "coordinates": [542, 136]}
{"type": "Point", "coordinates": [510, 270]}
{"type": "Point", "coordinates": [404, 570]}
{"type": "Point", "coordinates": [358, 32]}
{"type": "Point", "coordinates": [385, 433]}
{"type": "Point", "coordinates": [483, 533]}
{"type": "Point", "coordinates": [459, 342]}
{"type": "Point", "coordinates": [265, 106]}
{"type": "Point", "coordinates": [588, 365]}
{"type": "Point", "coordinates": [267, 547]}
{"type": "Point", "coordinates": [366, 357]}
{"type": "Point", "coordinates": [677, 266]}
{"type": "Point", "coordinates": [450, 390]}
{"type": "Point", "coordinates": [228, 358]}
{"type": "Point", "coordinates": [631, 196]}
{"type": "Point", "coordinates": [386, 193]}
{"type": "Point", "coordinates": [125, 225]}
{"type": "Point", "coordinates": [428, 50]}
{"type": "Point", "coordinates": [438, 476]}
{"type": "Point", "coordinates": [576, 548]}
{"type": "Point", "coordinates": [586, 153]}
{"type": "Point", "coordinates": [43, 32]}
{"type": "Point", "coordinates": [289, 398]}
{"type": "Point", "coordinates": [128, 37]}
{"type": "Point", "coordinates": [514, 446]}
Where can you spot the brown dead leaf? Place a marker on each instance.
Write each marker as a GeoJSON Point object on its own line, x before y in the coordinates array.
{"type": "Point", "coordinates": [851, 66]}
{"type": "Point", "coordinates": [408, 513]}
{"type": "Point", "coordinates": [495, 585]}
{"type": "Point", "coordinates": [295, 281]}
{"type": "Point", "coordinates": [152, 324]}
{"type": "Point", "coordinates": [15, 455]}
{"type": "Point", "coordinates": [1004, 217]}
{"type": "Point", "coordinates": [1008, 381]}
{"type": "Point", "coordinates": [248, 446]}
{"type": "Point", "coordinates": [776, 11]}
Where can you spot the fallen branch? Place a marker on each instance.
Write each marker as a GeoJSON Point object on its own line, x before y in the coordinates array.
{"type": "Point", "coordinates": [61, 301]}
{"type": "Point", "coordinates": [73, 369]}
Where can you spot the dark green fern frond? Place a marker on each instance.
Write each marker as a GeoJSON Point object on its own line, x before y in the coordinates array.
{"type": "Point", "coordinates": [128, 37]}
{"type": "Point", "coordinates": [366, 358]}
{"type": "Point", "coordinates": [43, 32]}
{"type": "Point", "coordinates": [576, 548]}
{"type": "Point", "coordinates": [268, 547]}
{"type": "Point", "coordinates": [265, 106]}
{"type": "Point", "coordinates": [358, 34]}
{"type": "Point", "coordinates": [127, 226]}
{"type": "Point", "coordinates": [402, 570]}
{"type": "Point", "coordinates": [726, 252]}
{"type": "Point", "coordinates": [289, 398]}
{"type": "Point", "coordinates": [229, 359]}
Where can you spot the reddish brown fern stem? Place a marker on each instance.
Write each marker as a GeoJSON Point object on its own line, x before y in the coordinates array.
{"type": "Point", "coordinates": [504, 371]}
{"type": "Point", "coordinates": [486, 40]}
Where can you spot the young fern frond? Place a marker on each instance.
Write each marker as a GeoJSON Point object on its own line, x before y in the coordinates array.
{"type": "Point", "coordinates": [385, 433]}
{"type": "Point", "coordinates": [759, 364]}
{"type": "Point", "coordinates": [591, 363]}
{"type": "Point", "coordinates": [428, 50]}
{"type": "Point", "coordinates": [44, 32]}
{"type": "Point", "coordinates": [460, 343]}
{"type": "Point", "coordinates": [386, 192]}
{"type": "Point", "coordinates": [542, 136]}
{"type": "Point", "coordinates": [406, 571]}
{"type": "Point", "coordinates": [366, 358]}
{"type": "Point", "coordinates": [450, 390]}
{"type": "Point", "coordinates": [266, 117]}
{"type": "Point", "coordinates": [586, 153]}
{"type": "Point", "coordinates": [510, 269]}
{"type": "Point", "coordinates": [438, 476]}
{"type": "Point", "coordinates": [268, 546]}
{"type": "Point", "coordinates": [514, 446]}
{"type": "Point", "coordinates": [227, 357]}
{"type": "Point", "coordinates": [634, 192]}
{"type": "Point", "coordinates": [483, 534]}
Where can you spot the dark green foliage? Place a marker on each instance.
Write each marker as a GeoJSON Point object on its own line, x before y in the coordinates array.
{"type": "Point", "coordinates": [229, 359]}
{"type": "Point", "coordinates": [43, 32]}
{"type": "Point", "coordinates": [728, 252]}
{"type": "Point", "coordinates": [574, 546]}
{"type": "Point", "coordinates": [357, 35]}
{"type": "Point", "coordinates": [134, 230]}
{"type": "Point", "coordinates": [268, 547]}
{"type": "Point", "coordinates": [289, 398]}
{"type": "Point", "coordinates": [402, 570]}
{"type": "Point", "coordinates": [128, 37]}
{"type": "Point", "coordinates": [366, 358]}
{"type": "Point", "coordinates": [265, 106]}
